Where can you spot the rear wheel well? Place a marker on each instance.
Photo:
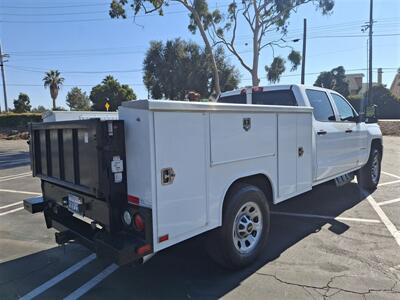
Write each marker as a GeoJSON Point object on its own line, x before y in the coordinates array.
{"type": "Point", "coordinates": [259, 180]}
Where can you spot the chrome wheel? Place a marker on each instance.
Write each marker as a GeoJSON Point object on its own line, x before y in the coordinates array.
{"type": "Point", "coordinates": [375, 168]}
{"type": "Point", "coordinates": [247, 227]}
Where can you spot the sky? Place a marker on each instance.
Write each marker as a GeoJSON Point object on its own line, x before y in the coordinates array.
{"type": "Point", "coordinates": [78, 38]}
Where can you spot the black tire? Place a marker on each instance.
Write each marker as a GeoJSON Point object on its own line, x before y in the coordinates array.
{"type": "Point", "coordinates": [368, 176]}
{"type": "Point", "coordinates": [221, 241]}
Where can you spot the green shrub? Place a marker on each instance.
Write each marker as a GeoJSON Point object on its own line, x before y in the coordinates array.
{"type": "Point", "coordinates": [18, 121]}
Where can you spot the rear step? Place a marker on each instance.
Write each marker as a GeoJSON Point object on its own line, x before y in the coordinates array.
{"type": "Point", "coordinates": [34, 205]}
{"type": "Point", "coordinates": [344, 179]}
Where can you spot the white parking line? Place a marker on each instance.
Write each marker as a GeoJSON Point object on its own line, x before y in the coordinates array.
{"type": "Point", "coordinates": [92, 282]}
{"type": "Point", "coordinates": [388, 202]}
{"type": "Point", "coordinates": [10, 163]}
{"type": "Point", "coordinates": [325, 217]}
{"type": "Point", "coordinates": [390, 174]}
{"type": "Point", "coordinates": [389, 225]}
{"type": "Point", "coordinates": [11, 211]}
{"type": "Point", "coordinates": [390, 182]}
{"type": "Point", "coordinates": [48, 284]}
{"type": "Point", "coordinates": [10, 160]}
{"type": "Point", "coordinates": [15, 177]}
{"type": "Point", "coordinates": [20, 192]}
{"type": "Point", "coordinates": [12, 204]}
{"type": "Point", "coordinates": [8, 176]}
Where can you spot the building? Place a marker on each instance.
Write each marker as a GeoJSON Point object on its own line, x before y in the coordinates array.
{"type": "Point", "coordinates": [355, 82]}
{"type": "Point", "coordinates": [356, 85]}
{"type": "Point", "coordinates": [395, 86]}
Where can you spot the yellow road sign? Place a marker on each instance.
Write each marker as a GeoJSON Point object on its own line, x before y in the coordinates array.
{"type": "Point", "coordinates": [107, 105]}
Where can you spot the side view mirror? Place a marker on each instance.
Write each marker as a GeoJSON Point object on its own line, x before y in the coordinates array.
{"type": "Point", "coordinates": [370, 114]}
{"type": "Point", "coordinates": [357, 119]}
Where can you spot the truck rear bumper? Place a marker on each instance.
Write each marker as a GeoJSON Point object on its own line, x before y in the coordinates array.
{"type": "Point", "coordinates": [121, 248]}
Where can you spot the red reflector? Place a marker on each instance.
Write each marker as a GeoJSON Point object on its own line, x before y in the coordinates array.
{"type": "Point", "coordinates": [144, 249]}
{"type": "Point", "coordinates": [163, 238]}
{"type": "Point", "coordinates": [139, 223]}
{"type": "Point", "coordinates": [133, 199]}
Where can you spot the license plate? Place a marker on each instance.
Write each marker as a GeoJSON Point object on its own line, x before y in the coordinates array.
{"type": "Point", "coordinates": [74, 204]}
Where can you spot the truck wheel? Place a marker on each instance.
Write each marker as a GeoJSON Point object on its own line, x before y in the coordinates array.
{"type": "Point", "coordinates": [245, 228]}
{"type": "Point", "coordinates": [368, 176]}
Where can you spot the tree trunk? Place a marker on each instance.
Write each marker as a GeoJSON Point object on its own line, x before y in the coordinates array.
{"type": "Point", "coordinates": [256, 52]}
{"type": "Point", "coordinates": [217, 87]}
{"type": "Point", "coordinates": [54, 103]}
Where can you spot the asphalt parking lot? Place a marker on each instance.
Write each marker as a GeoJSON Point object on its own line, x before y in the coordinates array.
{"type": "Point", "coordinates": [335, 243]}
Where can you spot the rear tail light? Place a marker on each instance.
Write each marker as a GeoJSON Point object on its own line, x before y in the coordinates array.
{"type": "Point", "coordinates": [146, 249]}
{"type": "Point", "coordinates": [139, 222]}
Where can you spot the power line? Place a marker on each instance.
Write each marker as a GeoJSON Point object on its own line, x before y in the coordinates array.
{"type": "Point", "coordinates": [39, 70]}
{"type": "Point", "coordinates": [56, 6]}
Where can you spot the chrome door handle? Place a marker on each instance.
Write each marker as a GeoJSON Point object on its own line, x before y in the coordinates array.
{"type": "Point", "coordinates": [321, 132]}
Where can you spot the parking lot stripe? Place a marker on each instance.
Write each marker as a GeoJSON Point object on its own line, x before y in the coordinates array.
{"type": "Point", "coordinates": [325, 217]}
{"type": "Point", "coordinates": [8, 176]}
{"type": "Point", "coordinates": [12, 204]}
{"type": "Point", "coordinates": [390, 182]}
{"type": "Point", "coordinates": [15, 177]}
{"type": "Point", "coordinates": [389, 225]}
{"type": "Point", "coordinates": [14, 160]}
{"type": "Point", "coordinates": [20, 192]}
{"type": "Point", "coordinates": [92, 282]}
{"type": "Point", "coordinates": [390, 174]}
{"type": "Point", "coordinates": [388, 202]}
{"type": "Point", "coordinates": [11, 211]}
{"type": "Point", "coordinates": [48, 284]}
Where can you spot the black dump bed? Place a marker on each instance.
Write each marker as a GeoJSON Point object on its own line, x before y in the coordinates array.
{"type": "Point", "coordinates": [82, 158]}
{"type": "Point", "coordinates": [77, 154]}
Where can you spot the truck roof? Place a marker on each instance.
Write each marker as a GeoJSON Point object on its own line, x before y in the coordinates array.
{"type": "Point", "coordinates": [273, 88]}
{"type": "Point", "coordinates": [168, 105]}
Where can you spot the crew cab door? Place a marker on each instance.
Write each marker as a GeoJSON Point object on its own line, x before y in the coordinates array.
{"type": "Point", "coordinates": [353, 133]}
{"type": "Point", "coordinates": [330, 147]}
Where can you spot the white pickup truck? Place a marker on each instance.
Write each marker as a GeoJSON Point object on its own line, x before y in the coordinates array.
{"type": "Point", "coordinates": [167, 171]}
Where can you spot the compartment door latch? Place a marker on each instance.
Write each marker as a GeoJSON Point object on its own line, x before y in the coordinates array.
{"type": "Point", "coordinates": [167, 176]}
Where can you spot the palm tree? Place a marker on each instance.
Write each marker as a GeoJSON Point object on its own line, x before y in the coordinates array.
{"type": "Point", "coordinates": [53, 80]}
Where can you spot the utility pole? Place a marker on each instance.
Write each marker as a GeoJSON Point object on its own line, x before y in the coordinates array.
{"type": "Point", "coordinates": [371, 21]}
{"type": "Point", "coordinates": [4, 79]}
{"type": "Point", "coordinates": [303, 57]}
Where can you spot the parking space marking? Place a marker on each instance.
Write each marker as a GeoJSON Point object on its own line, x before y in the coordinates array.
{"type": "Point", "coordinates": [92, 282]}
{"type": "Point", "coordinates": [12, 204]}
{"type": "Point", "coordinates": [325, 217]}
{"type": "Point", "coordinates": [390, 174]}
{"type": "Point", "coordinates": [20, 192]}
{"type": "Point", "coordinates": [15, 177]}
{"type": "Point", "coordinates": [388, 202]}
{"type": "Point", "coordinates": [11, 211]}
{"type": "Point", "coordinates": [15, 160]}
{"type": "Point", "coordinates": [390, 182]}
{"type": "Point", "coordinates": [389, 225]}
{"type": "Point", "coordinates": [48, 284]}
{"type": "Point", "coordinates": [8, 176]}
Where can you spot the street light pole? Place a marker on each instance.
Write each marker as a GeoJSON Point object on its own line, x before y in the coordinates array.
{"type": "Point", "coordinates": [371, 21]}
{"type": "Point", "coordinates": [303, 57]}
{"type": "Point", "coordinates": [4, 79]}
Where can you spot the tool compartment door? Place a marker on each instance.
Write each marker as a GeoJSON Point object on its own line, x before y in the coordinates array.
{"type": "Point", "coordinates": [181, 143]}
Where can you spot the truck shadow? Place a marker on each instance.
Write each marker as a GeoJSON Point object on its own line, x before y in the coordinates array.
{"type": "Point", "coordinates": [185, 270]}
{"type": "Point", "coordinates": [14, 160]}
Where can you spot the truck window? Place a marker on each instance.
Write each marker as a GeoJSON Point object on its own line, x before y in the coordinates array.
{"type": "Point", "coordinates": [282, 97]}
{"type": "Point", "coordinates": [236, 99]}
{"type": "Point", "coordinates": [346, 112]}
{"type": "Point", "coordinates": [322, 106]}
